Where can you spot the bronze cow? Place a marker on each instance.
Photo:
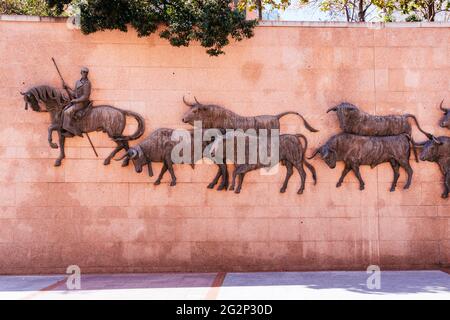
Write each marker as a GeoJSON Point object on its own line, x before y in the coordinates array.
{"type": "Point", "coordinates": [438, 150]}
{"type": "Point", "coordinates": [355, 121]}
{"type": "Point", "coordinates": [356, 150]}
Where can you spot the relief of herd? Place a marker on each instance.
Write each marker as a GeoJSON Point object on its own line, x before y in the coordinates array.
{"type": "Point", "coordinates": [365, 140]}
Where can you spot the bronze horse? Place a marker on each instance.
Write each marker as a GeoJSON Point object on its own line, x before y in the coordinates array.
{"type": "Point", "coordinates": [108, 119]}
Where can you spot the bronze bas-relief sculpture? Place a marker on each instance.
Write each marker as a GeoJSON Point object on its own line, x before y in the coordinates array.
{"type": "Point", "coordinates": [108, 119]}
{"type": "Point", "coordinates": [291, 154]}
{"type": "Point", "coordinates": [158, 147]}
{"type": "Point", "coordinates": [214, 116]}
{"type": "Point", "coordinates": [355, 121]}
{"type": "Point", "coordinates": [356, 150]}
{"type": "Point", "coordinates": [445, 121]}
{"type": "Point", "coordinates": [438, 150]}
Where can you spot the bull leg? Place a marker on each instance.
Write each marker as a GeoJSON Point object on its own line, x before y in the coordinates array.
{"type": "Point", "coordinates": [161, 174]}
{"type": "Point", "coordinates": [409, 171]}
{"type": "Point", "coordinates": [172, 174]}
{"type": "Point", "coordinates": [289, 173]}
{"type": "Point", "coordinates": [112, 154]}
{"type": "Point", "coordinates": [216, 178]}
{"type": "Point", "coordinates": [233, 181]}
{"type": "Point", "coordinates": [302, 173]}
{"type": "Point", "coordinates": [395, 166]}
{"type": "Point", "coordinates": [241, 180]}
{"type": "Point", "coordinates": [224, 183]}
{"type": "Point", "coordinates": [355, 169]}
{"type": "Point", "coordinates": [446, 185]}
{"type": "Point", "coordinates": [52, 128]}
{"type": "Point", "coordinates": [346, 170]}
{"type": "Point", "coordinates": [62, 154]}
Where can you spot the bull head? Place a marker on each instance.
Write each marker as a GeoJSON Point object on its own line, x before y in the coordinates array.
{"type": "Point", "coordinates": [445, 121]}
{"type": "Point", "coordinates": [139, 159]}
{"type": "Point", "coordinates": [327, 154]}
{"type": "Point", "coordinates": [195, 112]}
{"type": "Point", "coordinates": [430, 149]}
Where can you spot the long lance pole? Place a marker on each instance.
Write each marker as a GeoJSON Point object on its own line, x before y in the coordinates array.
{"type": "Point", "coordinates": [68, 93]}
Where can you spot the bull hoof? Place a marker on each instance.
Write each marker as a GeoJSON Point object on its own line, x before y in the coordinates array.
{"type": "Point", "coordinates": [231, 188]}
{"type": "Point", "coordinates": [57, 162]}
{"type": "Point", "coordinates": [338, 185]}
{"type": "Point", "coordinates": [237, 191]}
{"type": "Point", "coordinates": [444, 195]}
{"type": "Point", "coordinates": [125, 163]}
{"type": "Point", "coordinates": [392, 189]}
{"type": "Point", "coordinates": [282, 190]}
{"type": "Point", "coordinates": [406, 187]}
{"type": "Point", "coordinates": [220, 188]}
{"type": "Point", "coordinates": [173, 183]}
{"type": "Point", "coordinates": [210, 186]}
{"type": "Point", "coordinates": [53, 145]}
{"type": "Point", "coordinates": [300, 192]}
{"type": "Point", "coordinates": [157, 183]}
{"type": "Point", "coordinates": [361, 188]}
{"type": "Point", "coordinates": [107, 161]}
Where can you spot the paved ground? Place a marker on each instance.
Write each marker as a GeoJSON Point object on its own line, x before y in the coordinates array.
{"type": "Point", "coordinates": [264, 285]}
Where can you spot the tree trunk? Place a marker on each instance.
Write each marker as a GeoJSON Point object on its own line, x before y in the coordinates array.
{"type": "Point", "coordinates": [361, 12]}
{"type": "Point", "coordinates": [431, 11]}
{"type": "Point", "coordinates": [260, 9]}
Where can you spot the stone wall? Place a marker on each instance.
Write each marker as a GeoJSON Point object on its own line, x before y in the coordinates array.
{"type": "Point", "coordinates": [110, 219]}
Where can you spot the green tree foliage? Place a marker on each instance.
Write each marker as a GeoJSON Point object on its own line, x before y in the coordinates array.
{"type": "Point", "coordinates": [261, 4]}
{"type": "Point", "coordinates": [27, 7]}
{"type": "Point", "coordinates": [210, 22]}
{"type": "Point", "coordinates": [418, 10]}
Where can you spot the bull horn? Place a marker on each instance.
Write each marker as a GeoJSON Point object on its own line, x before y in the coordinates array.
{"type": "Point", "coordinates": [132, 153]}
{"type": "Point", "coordinates": [332, 109]}
{"type": "Point", "coordinates": [23, 93]}
{"type": "Point", "coordinates": [441, 107]}
{"type": "Point", "coordinates": [420, 144]}
{"type": "Point", "coordinates": [314, 154]}
{"type": "Point", "coordinates": [123, 157]}
{"type": "Point", "coordinates": [188, 104]}
{"type": "Point", "coordinates": [196, 100]}
{"type": "Point", "coordinates": [436, 140]}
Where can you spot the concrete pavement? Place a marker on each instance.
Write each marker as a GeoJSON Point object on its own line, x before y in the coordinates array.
{"type": "Point", "coordinates": [259, 285]}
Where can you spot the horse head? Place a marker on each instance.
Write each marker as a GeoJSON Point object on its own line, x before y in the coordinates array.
{"type": "Point", "coordinates": [54, 99]}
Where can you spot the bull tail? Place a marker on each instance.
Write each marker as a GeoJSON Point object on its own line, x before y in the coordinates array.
{"type": "Point", "coordinates": [307, 164]}
{"type": "Point", "coordinates": [307, 125]}
{"type": "Point", "coordinates": [413, 143]}
{"type": "Point", "coordinates": [429, 135]}
{"type": "Point", "coordinates": [140, 129]}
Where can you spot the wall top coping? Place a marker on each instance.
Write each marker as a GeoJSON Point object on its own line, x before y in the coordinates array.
{"type": "Point", "coordinates": [313, 24]}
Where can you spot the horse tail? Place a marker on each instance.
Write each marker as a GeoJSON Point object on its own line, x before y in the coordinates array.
{"type": "Point", "coordinates": [140, 129]}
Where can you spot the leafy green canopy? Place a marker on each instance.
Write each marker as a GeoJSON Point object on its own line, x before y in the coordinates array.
{"type": "Point", "coordinates": [27, 7]}
{"type": "Point", "coordinates": [210, 22]}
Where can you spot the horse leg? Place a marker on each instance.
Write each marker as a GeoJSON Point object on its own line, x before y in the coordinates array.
{"type": "Point", "coordinates": [62, 155]}
{"type": "Point", "coordinates": [112, 154]}
{"type": "Point", "coordinates": [126, 146]}
{"type": "Point", "coordinates": [52, 128]}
